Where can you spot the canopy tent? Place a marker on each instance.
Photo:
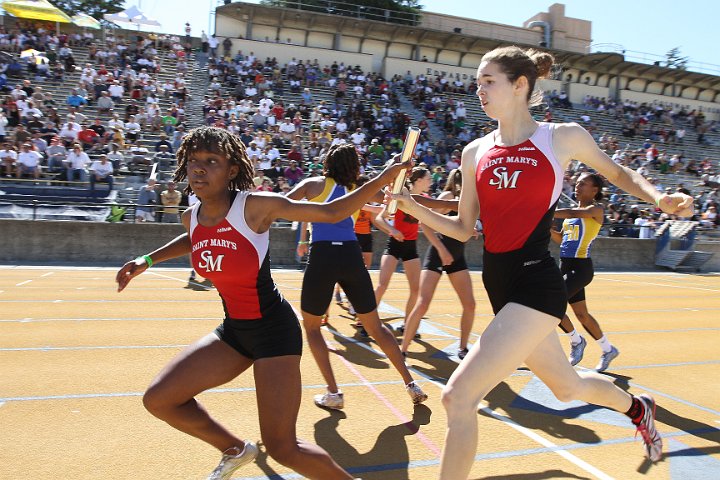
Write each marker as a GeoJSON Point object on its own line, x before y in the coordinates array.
{"type": "Point", "coordinates": [35, 10]}
{"type": "Point", "coordinates": [131, 17]}
{"type": "Point", "coordinates": [86, 21]}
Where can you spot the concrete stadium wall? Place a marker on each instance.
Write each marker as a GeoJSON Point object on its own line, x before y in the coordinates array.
{"type": "Point", "coordinates": [92, 243]}
{"type": "Point", "coordinates": [712, 110]}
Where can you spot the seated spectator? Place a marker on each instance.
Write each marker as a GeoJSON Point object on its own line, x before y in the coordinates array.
{"type": "Point", "coordinates": [76, 100]}
{"type": "Point", "coordinates": [139, 156]}
{"type": "Point", "coordinates": [163, 141]}
{"type": "Point", "coordinates": [105, 103]}
{"type": "Point", "coordinates": [709, 218]}
{"type": "Point", "coordinates": [116, 91]}
{"type": "Point", "coordinates": [28, 162]}
{"type": "Point", "coordinates": [116, 156]}
{"type": "Point", "coordinates": [56, 155]}
{"type": "Point", "coordinates": [145, 210]}
{"type": "Point", "coordinates": [101, 170]}
{"type": "Point", "coordinates": [294, 154]}
{"type": "Point", "coordinates": [88, 137]}
{"type": "Point", "coordinates": [77, 161]}
{"type": "Point", "coordinates": [170, 200]}
{"type": "Point", "coordinates": [265, 186]}
{"type": "Point", "coordinates": [133, 129]}
{"type": "Point", "coordinates": [21, 135]}
{"type": "Point", "coordinates": [118, 136]}
{"type": "Point", "coordinates": [164, 158]}
{"type": "Point", "coordinates": [293, 174]}
{"type": "Point", "coordinates": [8, 157]}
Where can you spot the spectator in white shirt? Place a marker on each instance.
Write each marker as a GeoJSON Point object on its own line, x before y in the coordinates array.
{"type": "Point", "coordinates": [101, 171]}
{"type": "Point", "coordinates": [8, 156]}
{"type": "Point", "coordinates": [28, 162]}
{"type": "Point", "coordinates": [77, 161]}
{"type": "Point", "coordinates": [287, 129]}
{"type": "Point", "coordinates": [116, 91]}
{"type": "Point", "coordinates": [358, 137]}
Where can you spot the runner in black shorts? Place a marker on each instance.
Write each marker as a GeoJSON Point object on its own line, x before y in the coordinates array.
{"type": "Point", "coordinates": [402, 244]}
{"type": "Point", "coordinates": [444, 254]}
{"type": "Point", "coordinates": [513, 179]}
{"type": "Point", "coordinates": [335, 257]}
{"type": "Point", "coordinates": [581, 226]}
{"type": "Point", "coordinates": [228, 239]}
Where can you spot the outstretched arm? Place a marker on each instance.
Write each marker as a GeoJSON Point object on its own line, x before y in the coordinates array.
{"type": "Point", "coordinates": [265, 208]}
{"type": "Point", "coordinates": [571, 141]}
{"type": "Point", "coordinates": [175, 248]}
{"type": "Point", "coordinates": [461, 227]}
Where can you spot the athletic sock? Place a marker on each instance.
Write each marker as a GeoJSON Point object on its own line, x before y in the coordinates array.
{"type": "Point", "coordinates": [637, 410]}
{"type": "Point", "coordinates": [575, 337]}
{"type": "Point", "coordinates": [604, 344]}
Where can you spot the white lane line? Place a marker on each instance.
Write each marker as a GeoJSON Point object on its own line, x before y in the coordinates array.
{"type": "Point", "coordinates": [528, 433]}
{"type": "Point", "coordinates": [637, 282]}
{"type": "Point", "coordinates": [23, 283]}
{"type": "Point", "coordinates": [546, 443]}
{"type": "Point", "coordinates": [46, 274]}
{"type": "Point", "coordinates": [102, 347]}
{"type": "Point", "coordinates": [120, 319]}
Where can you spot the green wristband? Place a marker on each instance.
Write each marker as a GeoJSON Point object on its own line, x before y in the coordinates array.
{"type": "Point", "coordinates": [146, 259]}
{"type": "Point", "coordinates": [658, 200]}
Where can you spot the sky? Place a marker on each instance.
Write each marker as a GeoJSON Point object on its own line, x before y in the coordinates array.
{"type": "Point", "coordinates": [652, 27]}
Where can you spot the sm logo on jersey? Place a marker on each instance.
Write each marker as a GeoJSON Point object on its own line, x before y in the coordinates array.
{"type": "Point", "coordinates": [502, 179]}
{"type": "Point", "coordinates": [210, 263]}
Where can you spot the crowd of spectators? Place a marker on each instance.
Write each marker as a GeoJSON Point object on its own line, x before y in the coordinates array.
{"type": "Point", "coordinates": [287, 115]}
{"type": "Point", "coordinates": [117, 100]}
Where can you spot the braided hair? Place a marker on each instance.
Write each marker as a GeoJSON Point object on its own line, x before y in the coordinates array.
{"type": "Point", "coordinates": [220, 142]}
{"type": "Point", "coordinates": [341, 163]}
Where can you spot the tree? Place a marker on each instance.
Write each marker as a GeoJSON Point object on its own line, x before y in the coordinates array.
{"type": "Point", "coordinates": [393, 11]}
{"type": "Point", "coordinates": [94, 8]}
{"type": "Point", "coordinates": [673, 59]}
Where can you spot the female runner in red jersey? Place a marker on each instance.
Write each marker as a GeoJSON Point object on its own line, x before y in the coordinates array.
{"type": "Point", "coordinates": [402, 244]}
{"type": "Point", "coordinates": [228, 238]}
{"type": "Point", "coordinates": [514, 177]}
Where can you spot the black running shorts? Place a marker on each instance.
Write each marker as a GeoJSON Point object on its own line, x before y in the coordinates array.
{"type": "Point", "coordinates": [365, 241]}
{"type": "Point", "coordinates": [578, 274]}
{"type": "Point", "coordinates": [457, 250]}
{"type": "Point", "coordinates": [405, 250]}
{"type": "Point", "coordinates": [276, 335]}
{"type": "Point", "coordinates": [331, 263]}
{"type": "Point", "coordinates": [534, 281]}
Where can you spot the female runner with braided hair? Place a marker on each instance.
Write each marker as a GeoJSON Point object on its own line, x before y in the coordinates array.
{"type": "Point", "coordinates": [228, 239]}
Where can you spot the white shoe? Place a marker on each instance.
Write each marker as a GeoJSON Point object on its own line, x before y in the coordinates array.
{"type": "Point", "coordinates": [606, 358]}
{"type": "Point", "coordinates": [333, 401]}
{"type": "Point", "coordinates": [416, 393]}
{"type": "Point", "coordinates": [577, 351]}
{"type": "Point", "coordinates": [233, 459]}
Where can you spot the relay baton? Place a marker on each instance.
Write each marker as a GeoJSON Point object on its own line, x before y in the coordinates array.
{"type": "Point", "coordinates": [411, 140]}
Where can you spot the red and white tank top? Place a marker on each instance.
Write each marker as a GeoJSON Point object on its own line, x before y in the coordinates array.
{"type": "Point", "coordinates": [237, 261]}
{"type": "Point", "coordinates": [518, 187]}
{"type": "Point", "coordinates": [407, 224]}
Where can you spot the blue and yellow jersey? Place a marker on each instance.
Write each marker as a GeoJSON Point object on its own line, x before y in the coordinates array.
{"type": "Point", "coordinates": [578, 235]}
{"type": "Point", "coordinates": [342, 231]}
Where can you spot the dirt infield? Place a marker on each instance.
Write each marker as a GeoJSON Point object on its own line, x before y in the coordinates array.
{"type": "Point", "coordinates": [75, 358]}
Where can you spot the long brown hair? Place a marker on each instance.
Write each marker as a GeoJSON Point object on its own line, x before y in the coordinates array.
{"type": "Point", "coordinates": [516, 62]}
{"type": "Point", "coordinates": [454, 182]}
